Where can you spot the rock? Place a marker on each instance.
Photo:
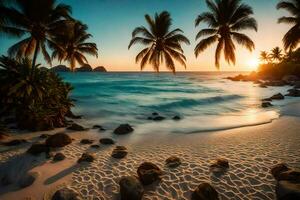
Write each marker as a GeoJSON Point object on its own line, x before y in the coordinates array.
{"type": "Point", "coordinates": [59, 157]}
{"type": "Point", "coordinates": [76, 127]}
{"type": "Point", "coordinates": [148, 173]}
{"type": "Point", "coordinates": [106, 141]}
{"type": "Point", "coordinates": [60, 68]}
{"type": "Point", "coordinates": [38, 148]}
{"type": "Point", "coordinates": [297, 85]}
{"type": "Point", "coordinates": [119, 152]}
{"type": "Point", "coordinates": [86, 157]}
{"type": "Point", "coordinates": [99, 127]}
{"type": "Point", "coordinates": [278, 169]}
{"type": "Point", "coordinates": [158, 118]}
{"type": "Point", "coordinates": [266, 104]}
{"type": "Point", "coordinates": [290, 78]}
{"type": "Point", "coordinates": [71, 115]}
{"type": "Point", "coordinates": [86, 141]}
{"type": "Point", "coordinates": [275, 83]}
{"type": "Point", "coordinates": [290, 175]}
{"type": "Point", "coordinates": [155, 114]}
{"type": "Point", "coordinates": [173, 162]}
{"type": "Point", "coordinates": [123, 129]}
{"type": "Point", "coordinates": [58, 140]}
{"type": "Point", "coordinates": [219, 165]}
{"type": "Point", "coordinates": [96, 146]}
{"type": "Point", "coordinates": [44, 136]}
{"type": "Point", "coordinates": [293, 93]}
{"type": "Point", "coordinates": [84, 68]}
{"type": "Point", "coordinates": [28, 179]}
{"type": "Point", "coordinates": [150, 118]}
{"type": "Point", "coordinates": [66, 194]}
{"type": "Point", "coordinates": [131, 188]}
{"type": "Point", "coordinates": [278, 96]}
{"type": "Point", "coordinates": [176, 117]}
{"type": "Point", "coordinates": [205, 192]}
{"type": "Point", "coordinates": [263, 85]}
{"type": "Point", "coordinates": [15, 142]}
{"type": "Point", "coordinates": [99, 69]}
{"type": "Point", "coordinates": [286, 190]}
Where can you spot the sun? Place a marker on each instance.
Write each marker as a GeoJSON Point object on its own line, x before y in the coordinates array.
{"type": "Point", "coordinates": [253, 64]}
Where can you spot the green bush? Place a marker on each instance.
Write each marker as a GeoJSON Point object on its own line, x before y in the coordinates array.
{"type": "Point", "coordinates": [39, 99]}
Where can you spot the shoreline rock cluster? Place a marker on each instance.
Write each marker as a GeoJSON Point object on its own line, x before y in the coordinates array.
{"type": "Point", "coordinates": [84, 68]}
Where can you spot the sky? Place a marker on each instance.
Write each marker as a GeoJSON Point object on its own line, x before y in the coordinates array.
{"type": "Point", "coordinates": [111, 23]}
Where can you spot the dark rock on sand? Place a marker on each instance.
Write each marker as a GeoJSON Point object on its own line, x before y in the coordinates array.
{"type": "Point", "coordinates": [297, 85]}
{"type": "Point", "coordinates": [293, 93]}
{"type": "Point", "coordinates": [266, 104]}
{"type": "Point", "coordinates": [106, 141]}
{"type": "Point", "coordinates": [131, 188]}
{"type": "Point", "coordinates": [219, 165]}
{"type": "Point", "coordinates": [99, 69]}
{"type": "Point", "coordinates": [148, 173]}
{"type": "Point", "coordinates": [290, 175]}
{"type": "Point", "coordinates": [96, 146]}
{"type": "Point", "coordinates": [15, 142]}
{"type": "Point", "coordinates": [176, 117]}
{"type": "Point", "coordinates": [71, 115]}
{"type": "Point", "coordinates": [286, 190]}
{"type": "Point", "coordinates": [76, 127]}
{"type": "Point", "coordinates": [278, 169]}
{"type": "Point", "coordinates": [173, 162]}
{"type": "Point", "coordinates": [278, 96]}
{"type": "Point", "coordinates": [123, 129]}
{"type": "Point", "coordinates": [44, 136]}
{"type": "Point", "coordinates": [66, 194]}
{"type": "Point", "coordinates": [58, 140]}
{"type": "Point", "coordinates": [99, 127]}
{"type": "Point", "coordinates": [86, 141]}
{"type": "Point", "coordinates": [58, 157]}
{"type": "Point", "coordinates": [205, 192]}
{"type": "Point", "coordinates": [28, 179]}
{"type": "Point", "coordinates": [86, 157]}
{"type": "Point", "coordinates": [119, 152]}
{"type": "Point", "coordinates": [158, 118]}
{"type": "Point", "coordinates": [155, 114]}
{"type": "Point", "coordinates": [38, 148]}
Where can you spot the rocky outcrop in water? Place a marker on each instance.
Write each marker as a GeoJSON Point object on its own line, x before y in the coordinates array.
{"type": "Point", "coordinates": [99, 69]}
{"type": "Point", "coordinates": [84, 68]}
{"type": "Point", "coordinates": [60, 68]}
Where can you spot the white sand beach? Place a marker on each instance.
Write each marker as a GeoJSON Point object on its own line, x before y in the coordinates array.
{"type": "Point", "coordinates": [251, 152]}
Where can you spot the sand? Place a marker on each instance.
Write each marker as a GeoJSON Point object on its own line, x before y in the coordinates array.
{"type": "Point", "coordinates": [251, 152]}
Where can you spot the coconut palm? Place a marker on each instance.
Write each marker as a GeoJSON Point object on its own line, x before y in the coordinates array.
{"type": "Point", "coordinates": [38, 21]}
{"type": "Point", "coordinates": [225, 19]}
{"type": "Point", "coordinates": [162, 45]}
{"type": "Point", "coordinates": [72, 46]}
{"type": "Point", "coordinates": [276, 54]}
{"type": "Point", "coordinates": [264, 56]}
{"type": "Point", "coordinates": [292, 37]}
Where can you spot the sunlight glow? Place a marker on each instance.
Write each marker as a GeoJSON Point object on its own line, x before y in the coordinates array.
{"type": "Point", "coordinates": [253, 64]}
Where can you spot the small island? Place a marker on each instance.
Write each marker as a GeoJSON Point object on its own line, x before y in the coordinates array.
{"type": "Point", "coordinates": [83, 68]}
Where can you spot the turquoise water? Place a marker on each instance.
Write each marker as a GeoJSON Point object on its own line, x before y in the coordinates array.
{"type": "Point", "coordinates": [205, 101]}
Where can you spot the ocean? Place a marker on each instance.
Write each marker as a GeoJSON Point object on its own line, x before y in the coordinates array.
{"type": "Point", "coordinates": [205, 101]}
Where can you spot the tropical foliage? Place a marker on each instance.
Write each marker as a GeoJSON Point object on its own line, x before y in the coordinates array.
{"type": "Point", "coordinates": [225, 20]}
{"type": "Point", "coordinates": [39, 102]}
{"type": "Point", "coordinates": [292, 38]}
{"type": "Point", "coordinates": [276, 54]}
{"type": "Point", "coordinates": [162, 44]}
{"type": "Point", "coordinates": [71, 46]}
{"type": "Point", "coordinates": [264, 56]}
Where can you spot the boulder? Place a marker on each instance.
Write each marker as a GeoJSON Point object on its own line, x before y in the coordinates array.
{"type": "Point", "coordinates": [293, 92]}
{"type": "Point", "coordinates": [58, 157]}
{"type": "Point", "coordinates": [99, 69]}
{"type": "Point", "coordinates": [275, 83]}
{"type": "Point", "coordinates": [278, 169]}
{"type": "Point", "coordinates": [106, 141]}
{"type": "Point", "coordinates": [84, 68]}
{"type": "Point", "coordinates": [86, 157]}
{"type": "Point", "coordinates": [131, 188]}
{"type": "Point", "coordinates": [173, 161]}
{"type": "Point", "coordinates": [60, 68]}
{"type": "Point", "coordinates": [119, 152]}
{"type": "Point", "coordinates": [95, 146]}
{"type": "Point", "coordinates": [290, 175]}
{"type": "Point", "coordinates": [66, 194]}
{"type": "Point", "coordinates": [220, 165]}
{"type": "Point", "coordinates": [28, 179]}
{"type": "Point", "coordinates": [58, 140]}
{"type": "Point", "coordinates": [148, 173]}
{"type": "Point", "coordinates": [38, 148]}
{"type": "Point", "coordinates": [71, 115]}
{"type": "Point", "coordinates": [76, 127]}
{"type": "Point", "coordinates": [176, 117]}
{"type": "Point", "coordinates": [123, 129]}
{"type": "Point", "coordinates": [297, 85]}
{"type": "Point", "coordinates": [15, 142]}
{"type": "Point", "coordinates": [158, 118]}
{"type": "Point", "coordinates": [266, 104]}
{"type": "Point", "coordinates": [155, 114]}
{"type": "Point", "coordinates": [99, 127]}
{"type": "Point", "coordinates": [286, 190]}
{"type": "Point", "coordinates": [86, 141]}
{"type": "Point", "coordinates": [290, 78]}
{"type": "Point", "coordinates": [278, 96]}
{"type": "Point", "coordinates": [44, 136]}
{"type": "Point", "coordinates": [205, 191]}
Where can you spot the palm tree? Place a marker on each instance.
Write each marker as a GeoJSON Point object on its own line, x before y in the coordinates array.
{"type": "Point", "coordinates": [72, 46]}
{"type": "Point", "coordinates": [264, 56]}
{"type": "Point", "coordinates": [292, 37]}
{"type": "Point", "coordinates": [162, 44]}
{"type": "Point", "coordinates": [276, 54]}
{"type": "Point", "coordinates": [225, 19]}
{"type": "Point", "coordinates": [38, 20]}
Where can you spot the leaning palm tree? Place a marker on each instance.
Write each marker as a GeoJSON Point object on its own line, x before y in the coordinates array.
{"type": "Point", "coordinates": [38, 21]}
{"type": "Point", "coordinates": [72, 46]}
{"type": "Point", "coordinates": [292, 38]}
{"type": "Point", "coordinates": [276, 54]}
{"type": "Point", "coordinates": [162, 44]}
{"type": "Point", "coordinates": [264, 56]}
{"type": "Point", "coordinates": [225, 19]}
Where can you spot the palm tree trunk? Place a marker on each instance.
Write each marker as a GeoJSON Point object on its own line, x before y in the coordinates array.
{"type": "Point", "coordinates": [36, 51]}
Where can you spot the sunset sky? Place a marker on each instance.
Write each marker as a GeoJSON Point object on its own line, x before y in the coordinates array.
{"type": "Point", "coordinates": [112, 21]}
